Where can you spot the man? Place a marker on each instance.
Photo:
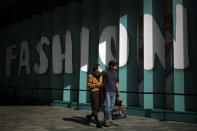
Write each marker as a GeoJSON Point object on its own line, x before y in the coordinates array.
{"type": "Point", "coordinates": [112, 87]}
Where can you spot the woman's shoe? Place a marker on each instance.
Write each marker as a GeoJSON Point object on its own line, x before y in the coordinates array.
{"type": "Point", "coordinates": [88, 117]}
{"type": "Point", "coordinates": [98, 125]}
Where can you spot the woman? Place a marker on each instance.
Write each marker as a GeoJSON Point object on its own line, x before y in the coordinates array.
{"type": "Point", "coordinates": [95, 83]}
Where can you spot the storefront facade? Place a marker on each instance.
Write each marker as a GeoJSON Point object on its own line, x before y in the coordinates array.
{"type": "Point", "coordinates": [154, 42]}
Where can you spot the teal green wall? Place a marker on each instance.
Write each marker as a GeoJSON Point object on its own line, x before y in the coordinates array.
{"type": "Point", "coordinates": [46, 31]}
{"type": "Point", "coordinates": [184, 79]}
{"type": "Point", "coordinates": [34, 57]}
{"type": "Point", "coordinates": [2, 58]}
{"type": "Point", "coordinates": [10, 40]}
{"type": "Point", "coordinates": [154, 79]}
{"type": "Point", "coordinates": [18, 38]}
{"type": "Point", "coordinates": [59, 27]}
{"type": "Point", "coordinates": [190, 73]}
{"type": "Point", "coordinates": [108, 16]}
{"type": "Point", "coordinates": [179, 101]}
{"type": "Point", "coordinates": [128, 74]}
{"type": "Point", "coordinates": [71, 81]}
{"type": "Point", "coordinates": [25, 79]}
{"type": "Point", "coordinates": [9, 31]}
{"type": "Point", "coordinates": [90, 21]}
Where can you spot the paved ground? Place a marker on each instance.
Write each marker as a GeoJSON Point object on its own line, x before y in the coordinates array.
{"type": "Point", "coordinates": [46, 118]}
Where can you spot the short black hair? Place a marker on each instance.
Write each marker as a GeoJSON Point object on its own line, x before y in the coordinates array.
{"type": "Point", "coordinates": [95, 67]}
{"type": "Point", "coordinates": [112, 63]}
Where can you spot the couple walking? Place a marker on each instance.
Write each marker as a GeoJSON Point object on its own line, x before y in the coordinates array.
{"type": "Point", "coordinates": [109, 79]}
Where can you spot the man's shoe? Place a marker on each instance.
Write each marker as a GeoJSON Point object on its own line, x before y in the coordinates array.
{"type": "Point", "coordinates": [113, 123]}
{"type": "Point", "coordinates": [107, 124]}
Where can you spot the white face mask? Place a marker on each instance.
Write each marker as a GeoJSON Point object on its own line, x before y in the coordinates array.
{"type": "Point", "coordinates": [100, 70]}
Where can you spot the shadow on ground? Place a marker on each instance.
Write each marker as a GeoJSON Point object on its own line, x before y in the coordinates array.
{"type": "Point", "coordinates": [80, 120]}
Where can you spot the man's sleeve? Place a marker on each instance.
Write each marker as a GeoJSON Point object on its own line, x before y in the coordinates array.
{"type": "Point", "coordinates": [117, 78]}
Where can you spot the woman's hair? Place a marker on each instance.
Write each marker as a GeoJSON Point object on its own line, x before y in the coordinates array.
{"type": "Point", "coordinates": [95, 67]}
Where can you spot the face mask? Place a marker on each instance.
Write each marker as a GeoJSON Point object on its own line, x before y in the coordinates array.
{"type": "Point", "coordinates": [100, 70]}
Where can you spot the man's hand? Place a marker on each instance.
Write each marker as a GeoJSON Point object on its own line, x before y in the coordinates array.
{"type": "Point", "coordinates": [118, 94]}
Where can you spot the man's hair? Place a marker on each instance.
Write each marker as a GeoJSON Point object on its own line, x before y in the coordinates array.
{"type": "Point", "coordinates": [95, 67]}
{"type": "Point", "coordinates": [112, 63]}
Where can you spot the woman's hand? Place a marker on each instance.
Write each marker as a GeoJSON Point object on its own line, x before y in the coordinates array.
{"type": "Point", "coordinates": [100, 84]}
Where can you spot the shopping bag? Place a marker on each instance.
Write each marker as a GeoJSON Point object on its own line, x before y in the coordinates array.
{"type": "Point", "coordinates": [119, 111]}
